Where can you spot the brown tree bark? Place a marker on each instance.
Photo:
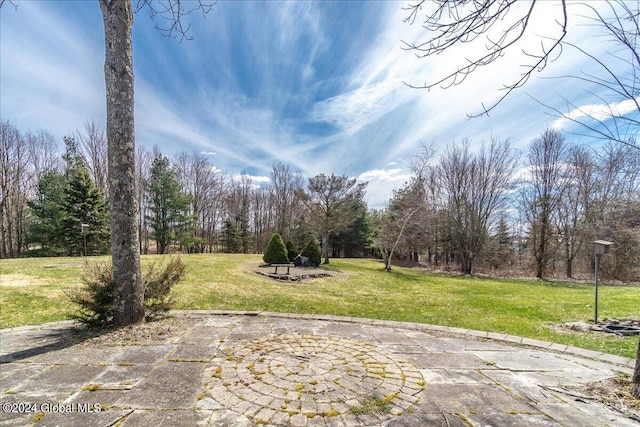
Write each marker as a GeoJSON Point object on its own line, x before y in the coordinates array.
{"type": "Point", "coordinates": [118, 71]}
{"type": "Point", "coordinates": [635, 387]}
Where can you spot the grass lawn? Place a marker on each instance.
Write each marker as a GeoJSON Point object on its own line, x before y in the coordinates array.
{"type": "Point", "coordinates": [32, 291]}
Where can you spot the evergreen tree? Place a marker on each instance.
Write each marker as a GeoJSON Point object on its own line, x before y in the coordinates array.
{"type": "Point", "coordinates": [48, 212]}
{"type": "Point", "coordinates": [231, 241]}
{"type": "Point", "coordinates": [312, 252]}
{"type": "Point", "coordinates": [168, 205]}
{"type": "Point", "coordinates": [276, 252]}
{"type": "Point", "coordinates": [357, 237]}
{"type": "Point", "coordinates": [244, 232]}
{"type": "Point", "coordinates": [84, 203]}
{"type": "Point", "coordinates": [292, 252]}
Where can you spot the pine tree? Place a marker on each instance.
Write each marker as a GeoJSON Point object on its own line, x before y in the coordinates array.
{"type": "Point", "coordinates": [84, 203]}
{"type": "Point", "coordinates": [231, 241]}
{"type": "Point", "coordinates": [312, 252]}
{"type": "Point", "coordinates": [276, 252]}
{"type": "Point", "coordinates": [48, 212]}
{"type": "Point", "coordinates": [292, 252]}
{"type": "Point", "coordinates": [168, 205]}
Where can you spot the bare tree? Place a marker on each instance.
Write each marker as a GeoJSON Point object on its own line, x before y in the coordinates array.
{"type": "Point", "coordinates": [575, 206]}
{"type": "Point", "coordinates": [474, 189]}
{"type": "Point", "coordinates": [328, 200]}
{"type": "Point", "coordinates": [93, 147]}
{"type": "Point", "coordinates": [14, 185]}
{"type": "Point", "coordinates": [543, 192]}
{"type": "Point", "coordinates": [44, 152]}
{"type": "Point", "coordinates": [616, 210]}
{"type": "Point", "coordinates": [203, 183]}
{"type": "Point", "coordinates": [285, 184]}
{"type": "Point", "coordinates": [263, 216]}
{"type": "Point", "coordinates": [238, 201]}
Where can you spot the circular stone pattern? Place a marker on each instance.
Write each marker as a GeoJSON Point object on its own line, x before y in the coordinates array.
{"type": "Point", "coordinates": [282, 379]}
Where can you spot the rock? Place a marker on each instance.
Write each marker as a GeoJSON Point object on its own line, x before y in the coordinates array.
{"type": "Point", "coordinates": [578, 326]}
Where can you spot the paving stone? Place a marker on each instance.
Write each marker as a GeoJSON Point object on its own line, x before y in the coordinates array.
{"type": "Point", "coordinates": [22, 408]}
{"type": "Point", "coordinates": [118, 377]}
{"type": "Point", "coordinates": [298, 420]}
{"type": "Point", "coordinates": [445, 360]}
{"type": "Point", "coordinates": [515, 420]}
{"type": "Point", "coordinates": [280, 418]}
{"type": "Point", "coordinates": [204, 335]}
{"type": "Point", "coordinates": [172, 385]}
{"type": "Point", "coordinates": [14, 374]}
{"type": "Point", "coordinates": [468, 398]}
{"type": "Point", "coordinates": [233, 370]}
{"type": "Point", "coordinates": [103, 398]}
{"type": "Point", "coordinates": [76, 418]}
{"type": "Point", "coordinates": [229, 419]}
{"type": "Point", "coordinates": [193, 353]}
{"type": "Point", "coordinates": [141, 354]}
{"type": "Point", "coordinates": [80, 356]}
{"type": "Point", "coordinates": [60, 379]}
{"type": "Point", "coordinates": [178, 418]}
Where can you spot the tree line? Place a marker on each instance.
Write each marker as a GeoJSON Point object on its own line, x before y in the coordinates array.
{"type": "Point", "coordinates": [185, 203]}
{"type": "Point", "coordinates": [498, 211]}
{"type": "Point", "coordinates": [494, 210]}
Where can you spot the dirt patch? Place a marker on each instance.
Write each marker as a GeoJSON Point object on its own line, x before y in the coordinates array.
{"type": "Point", "coordinates": [616, 394]}
{"type": "Point", "coordinates": [298, 274]}
{"type": "Point", "coordinates": [152, 332]}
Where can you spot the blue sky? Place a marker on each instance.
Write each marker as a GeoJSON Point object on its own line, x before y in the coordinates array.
{"type": "Point", "coordinates": [316, 85]}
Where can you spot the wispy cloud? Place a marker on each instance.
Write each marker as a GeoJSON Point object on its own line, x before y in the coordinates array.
{"type": "Point", "coordinates": [351, 111]}
{"type": "Point", "coordinates": [316, 85]}
{"type": "Point", "coordinates": [598, 112]}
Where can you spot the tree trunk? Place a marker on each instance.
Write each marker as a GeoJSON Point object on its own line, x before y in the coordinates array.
{"type": "Point", "coordinates": [118, 70]}
{"type": "Point", "coordinates": [325, 248]}
{"type": "Point", "coordinates": [635, 388]}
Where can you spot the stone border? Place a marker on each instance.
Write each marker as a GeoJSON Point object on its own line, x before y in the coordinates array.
{"type": "Point", "coordinates": [620, 361]}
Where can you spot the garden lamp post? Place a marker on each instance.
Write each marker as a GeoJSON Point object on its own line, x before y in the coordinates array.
{"type": "Point", "coordinates": [600, 247]}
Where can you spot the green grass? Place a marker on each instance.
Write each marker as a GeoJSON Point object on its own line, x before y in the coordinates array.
{"type": "Point", "coordinates": [31, 292]}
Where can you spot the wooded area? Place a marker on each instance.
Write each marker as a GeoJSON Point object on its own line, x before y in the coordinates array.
{"type": "Point", "coordinates": [493, 211]}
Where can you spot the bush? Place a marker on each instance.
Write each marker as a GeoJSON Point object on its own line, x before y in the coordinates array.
{"type": "Point", "coordinates": [312, 252]}
{"type": "Point", "coordinates": [95, 298]}
{"type": "Point", "coordinates": [158, 283]}
{"type": "Point", "coordinates": [292, 252]}
{"type": "Point", "coordinates": [276, 252]}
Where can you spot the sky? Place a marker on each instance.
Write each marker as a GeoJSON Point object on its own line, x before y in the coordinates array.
{"type": "Point", "coordinates": [320, 86]}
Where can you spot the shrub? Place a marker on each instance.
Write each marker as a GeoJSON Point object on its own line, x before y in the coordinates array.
{"type": "Point", "coordinates": [95, 298]}
{"type": "Point", "coordinates": [276, 252]}
{"type": "Point", "coordinates": [312, 252]}
{"type": "Point", "coordinates": [158, 283]}
{"type": "Point", "coordinates": [292, 252]}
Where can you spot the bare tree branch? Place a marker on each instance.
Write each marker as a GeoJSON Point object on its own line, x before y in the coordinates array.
{"type": "Point", "coordinates": [11, 2]}
{"type": "Point", "coordinates": [622, 33]}
{"type": "Point", "coordinates": [172, 16]}
{"type": "Point", "coordinates": [459, 22]}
